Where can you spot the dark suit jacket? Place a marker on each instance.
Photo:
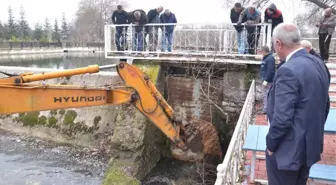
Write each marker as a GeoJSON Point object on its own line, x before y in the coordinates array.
{"type": "Point", "coordinates": [297, 104]}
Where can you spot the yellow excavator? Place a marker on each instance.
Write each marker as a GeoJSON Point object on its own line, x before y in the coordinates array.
{"type": "Point", "coordinates": [19, 95]}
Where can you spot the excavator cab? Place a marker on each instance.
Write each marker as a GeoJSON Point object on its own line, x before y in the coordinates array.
{"type": "Point", "coordinates": [193, 139]}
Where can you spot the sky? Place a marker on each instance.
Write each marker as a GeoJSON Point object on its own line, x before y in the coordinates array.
{"type": "Point", "coordinates": [186, 11]}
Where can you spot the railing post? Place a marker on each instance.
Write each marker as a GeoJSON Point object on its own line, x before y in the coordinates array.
{"type": "Point", "coordinates": [264, 39]}
{"type": "Point", "coordinates": [106, 40]}
{"type": "Point", "coordinates": [225, 48]}
{"type": "Point", "coordinates": [269, 35]}
{"type": "Point", "coordinates": [220, 39]}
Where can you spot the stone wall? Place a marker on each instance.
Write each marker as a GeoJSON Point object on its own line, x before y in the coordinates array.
{"type": "Point", "coordinates": [218, 99]}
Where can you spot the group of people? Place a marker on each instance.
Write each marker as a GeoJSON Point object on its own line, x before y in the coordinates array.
{"type": "Point", "coordinates": [296, 102]}
{"type": "Point", "coordinates": [251, 16]}
{"type": "Point", "coordinates": [144, 24]}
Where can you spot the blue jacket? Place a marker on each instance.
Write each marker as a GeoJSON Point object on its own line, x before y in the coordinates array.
{"type": "Point", "coordinates": [168, 19]}
{"type": "Point", "coordinates": [267, 68]}
{"type": "Point", "coordinates": [297, 110]}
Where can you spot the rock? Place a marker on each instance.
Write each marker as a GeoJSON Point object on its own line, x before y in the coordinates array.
{"type": "Point", "coordinates": [136, 148]}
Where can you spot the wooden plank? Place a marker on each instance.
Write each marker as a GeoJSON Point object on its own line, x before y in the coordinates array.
{"type": "Point", "coordinates": [251, 139]}
{"type": "Point", "coordinates": [323, 172]}
{"type": "Point", "coordinates": [263, 130]}
{"type": "Point", "coordinates": [330, 125]}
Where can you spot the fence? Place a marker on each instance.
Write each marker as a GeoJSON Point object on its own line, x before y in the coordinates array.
{"type": "Point", "coordinates": [14, 45]}
{"type": "Point", "coordinates": [185, 38]}
{"type": "Point", "coordinates": [229, 170]}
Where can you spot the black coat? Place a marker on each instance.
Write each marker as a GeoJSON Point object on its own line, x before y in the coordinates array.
{"type": "Point", "coordinates": [234, 16]}
{"type": "Point", "coordinates": [120, 17]}
{"type": "Point", "coordinates": [143, 20]}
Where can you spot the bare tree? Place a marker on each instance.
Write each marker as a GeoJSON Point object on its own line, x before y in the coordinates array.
{"type": "Point", "coordinates": [91, 17]}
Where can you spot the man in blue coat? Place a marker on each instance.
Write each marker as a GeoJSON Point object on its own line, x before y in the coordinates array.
{"type": "Point", "coordinates": [297, 110]}
{"type": "Point", "coordinates": [167, 31]}
{"type": "Point", "coordinates": [267, 71]}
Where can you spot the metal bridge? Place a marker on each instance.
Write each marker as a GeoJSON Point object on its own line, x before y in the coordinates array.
{"type": "Point", "coordinates": [190, 42]}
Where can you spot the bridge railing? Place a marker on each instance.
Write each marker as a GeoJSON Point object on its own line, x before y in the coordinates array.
{"type": "Point", "coordinates": [184, 39]}
{"type": "Point", "coordinates": [229, 171]}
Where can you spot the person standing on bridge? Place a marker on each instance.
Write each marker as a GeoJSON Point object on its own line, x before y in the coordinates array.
{"type": "Point", "coordinates": [120, 16]}
{"type": "Point", "coordinates": [326, 29]}
{"type": "Point", "coordinates": [167, 30]}
{"type": "Point", "coordinates": [274, 16]}
{"type": "Point", "coordinates": [297, 110]}
{"type": "Point", "coordinates": [139, 19]}
{"type": "Point", "coordinates": [153, 18]}
{"type": "Point", "coordinates": [241, 39]}
{"type": "Point", "coordinates": [267, 71]}
{"type": "Point", "coordinates": [252, 17]}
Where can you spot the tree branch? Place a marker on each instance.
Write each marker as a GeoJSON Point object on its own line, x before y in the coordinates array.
{"type": "Point", "coordinates": [322, 5]}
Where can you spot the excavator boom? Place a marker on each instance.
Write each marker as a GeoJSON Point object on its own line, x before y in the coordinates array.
{"type": "Point", "coordinates": [19, 94]}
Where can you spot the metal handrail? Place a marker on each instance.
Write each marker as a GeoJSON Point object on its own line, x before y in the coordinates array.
{"type": "Point", "coordinates": [229, 171]}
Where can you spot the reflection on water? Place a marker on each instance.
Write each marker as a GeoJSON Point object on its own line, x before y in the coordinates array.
{"type": "Point", "coordinates": [56, 60]}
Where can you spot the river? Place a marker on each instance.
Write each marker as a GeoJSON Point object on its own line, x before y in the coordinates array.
{"type": "Point", "coordinates": [29, 161]}
{"type": "Point", "coordinates": [56, 60]}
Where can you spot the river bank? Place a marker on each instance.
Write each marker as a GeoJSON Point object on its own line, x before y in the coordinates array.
{"type": "Point", "coordinates": [27, 160]}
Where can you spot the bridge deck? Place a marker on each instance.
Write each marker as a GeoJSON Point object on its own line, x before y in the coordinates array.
{"type": "Point", "coordinates": [180, 57]}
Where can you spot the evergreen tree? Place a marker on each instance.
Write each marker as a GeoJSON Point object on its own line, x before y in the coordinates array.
{"type": "Point", "coordinates": [47, 31]}
{"type": "Point", "coordinates": [24, 29]}
{"type": "Point", "coordinates": [12, 27]}
{"type": "Point", "coordinates": [38, 32]}
{"type": "Point", "coordinates": [65, 29]}
{"type": "Point", "coordinates": [56, 32]}
{"type": "Point", "coordinates": [2, 31]}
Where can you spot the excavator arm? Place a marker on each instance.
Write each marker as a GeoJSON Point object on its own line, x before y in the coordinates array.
{"type": "Point", "coordinates": [18, 95]}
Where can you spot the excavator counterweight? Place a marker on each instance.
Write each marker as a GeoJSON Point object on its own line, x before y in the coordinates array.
{"type": "Point", "coordinates": [138, 91]}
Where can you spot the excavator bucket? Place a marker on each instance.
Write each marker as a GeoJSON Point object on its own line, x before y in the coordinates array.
{"type": "Point", "coordinates": [202, 140]}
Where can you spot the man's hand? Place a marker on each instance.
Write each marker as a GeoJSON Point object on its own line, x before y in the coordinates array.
{"type": "Point", "coordinates": [269, 21]}
{"type": "Point", "coordinates": [269, 152]}
{"type": "Point", "coordinates": [264, 83]}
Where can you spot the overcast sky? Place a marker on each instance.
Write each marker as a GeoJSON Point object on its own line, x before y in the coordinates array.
{"type": "Point", "coordinates": [186, 11]}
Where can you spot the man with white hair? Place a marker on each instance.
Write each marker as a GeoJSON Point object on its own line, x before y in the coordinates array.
{"type": "Point", "coordinates": [326, 29]}
{"type": "Point", "coordinates": [297, 110]}
{"type": "Point", "coordinates": [309, 48]}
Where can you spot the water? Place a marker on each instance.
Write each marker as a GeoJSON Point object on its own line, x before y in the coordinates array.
{"type": "Point", "coordinates": [56, 60]}
{"type": "Point", "coordinates": [29, 161]}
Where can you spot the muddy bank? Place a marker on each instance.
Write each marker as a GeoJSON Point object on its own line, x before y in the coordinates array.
{"type": "Point", "coordinates": [27, 160]}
